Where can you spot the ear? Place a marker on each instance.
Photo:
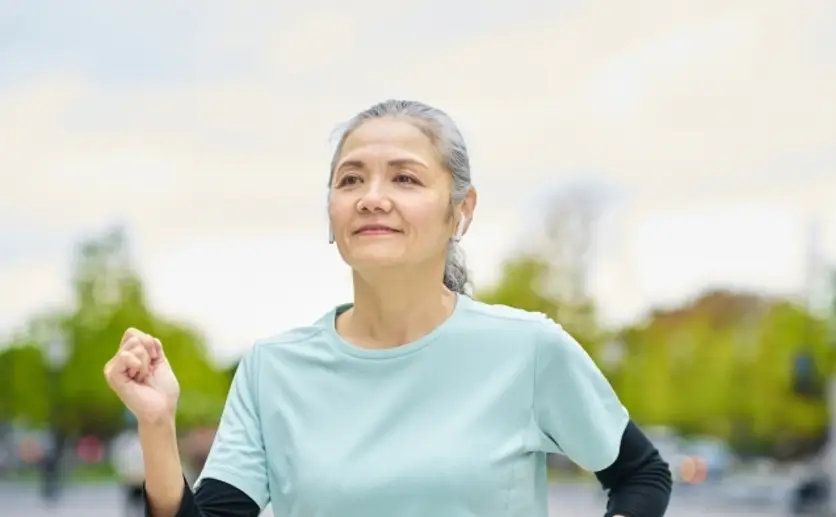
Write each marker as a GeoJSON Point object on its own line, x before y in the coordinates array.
{"type": "Point", "coordinates": [466, 210]}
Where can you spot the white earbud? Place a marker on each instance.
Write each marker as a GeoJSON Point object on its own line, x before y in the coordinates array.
{"type": "Point", "coordinates": [460, 228]}
{"type": "Point", "coordinates": [331, 237]}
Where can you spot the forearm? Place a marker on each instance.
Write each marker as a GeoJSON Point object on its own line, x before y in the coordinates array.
{"type": "Point", "coordinates": [164, 482]}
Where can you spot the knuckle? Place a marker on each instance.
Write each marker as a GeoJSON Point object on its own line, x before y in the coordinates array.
{"type": "Point", "coordinates": [132, 332]}
{"type": "Point", "coordinates": [133, 345]}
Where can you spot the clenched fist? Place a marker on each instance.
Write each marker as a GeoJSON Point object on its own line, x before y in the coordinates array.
{"type": "Point", "coordinates": [141, 376]}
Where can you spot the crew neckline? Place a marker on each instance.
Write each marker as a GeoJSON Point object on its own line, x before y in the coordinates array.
{"type": "Point", "coordinates": [391, 352]}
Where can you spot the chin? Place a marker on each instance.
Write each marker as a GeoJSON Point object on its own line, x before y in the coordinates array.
{"type": "Point", "coordinates": [371, 259]}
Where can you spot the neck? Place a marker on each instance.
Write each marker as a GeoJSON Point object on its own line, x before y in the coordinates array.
{"type": "Point", "coordinates": [396, 309]}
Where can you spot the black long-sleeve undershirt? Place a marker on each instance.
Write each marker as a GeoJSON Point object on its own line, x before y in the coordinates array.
{"type": "Point", "coordinates": [638, 482]}
{"type": "Point", "coordinates": [213, 498]}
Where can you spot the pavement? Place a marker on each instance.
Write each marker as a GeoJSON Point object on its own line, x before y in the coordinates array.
{"type": "Point", "coordinates": [22, 500]}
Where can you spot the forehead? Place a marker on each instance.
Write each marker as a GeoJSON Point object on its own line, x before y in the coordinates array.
{"type": "Point", "coordinates": [391, 138]}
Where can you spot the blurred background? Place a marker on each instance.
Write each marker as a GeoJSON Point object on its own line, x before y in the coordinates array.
{"type": "Point", "coordinates": [654, 175]}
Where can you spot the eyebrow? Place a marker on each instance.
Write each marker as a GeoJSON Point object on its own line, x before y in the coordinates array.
{"type": "Point", "coordinates": [399, 162]}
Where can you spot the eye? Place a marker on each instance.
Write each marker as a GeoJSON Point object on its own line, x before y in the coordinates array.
{"type": "Point", "coordinates": [406, 178]}
{"type": "Point", "coordinates": [348, 180]}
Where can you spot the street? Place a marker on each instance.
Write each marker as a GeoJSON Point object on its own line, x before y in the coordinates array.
{"type": "Point", "coordinates": [21, 500]}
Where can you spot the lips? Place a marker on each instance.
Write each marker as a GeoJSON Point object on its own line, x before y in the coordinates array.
{"type": "Point", "coordinates": [375, 229]}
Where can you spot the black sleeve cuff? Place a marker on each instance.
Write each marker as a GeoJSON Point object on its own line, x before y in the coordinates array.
{"type": "Point", "coordinates": [639, 481]}
{"type": "Point", "coordinates": [188, 506]}
{"type": "Point", "coordinates": [213, 498]}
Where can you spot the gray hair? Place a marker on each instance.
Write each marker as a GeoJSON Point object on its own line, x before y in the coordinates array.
{"type": "Point", "coordinates": [449, 142]}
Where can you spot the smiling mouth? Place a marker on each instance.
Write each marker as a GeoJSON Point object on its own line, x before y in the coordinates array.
{"type": "Point", "coordinates": [376, 230]}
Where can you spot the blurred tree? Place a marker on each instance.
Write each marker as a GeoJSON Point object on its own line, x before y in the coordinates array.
{"type": "Point", "coordinates": [568, 248]}
{"type": "Point", "coordinates": [109, 298]}
{"type": "Point", "coordinates": [790, 333]}
{"type": "Point", "coordinates": [723, 362]}
{"type": "Point", "coordinates": [551, 276]}
{"type": "Point", "coordinates": [23, 377]}
{"type": "Point", "coordinates": [229, 371]}
{"type": "Point", "coordinates": [521, 285]}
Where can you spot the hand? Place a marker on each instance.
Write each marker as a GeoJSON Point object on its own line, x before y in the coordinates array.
{"type": "Point", "coordinates": [142, 378]}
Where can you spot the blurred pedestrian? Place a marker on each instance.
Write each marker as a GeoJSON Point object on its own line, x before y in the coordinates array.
{"type": "Point", "coordinates": [415, 399]}
{"type": "Point", "coordinates": [126, 457]}
{"type": "Point", "coordinates": [51, 469]}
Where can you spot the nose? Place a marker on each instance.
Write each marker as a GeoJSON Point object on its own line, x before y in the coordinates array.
{"type": "Point", "coordinates": [375, 197]}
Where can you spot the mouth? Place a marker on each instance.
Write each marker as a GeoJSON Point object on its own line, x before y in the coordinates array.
{"type": "Point", "coordinates": [375, 229]}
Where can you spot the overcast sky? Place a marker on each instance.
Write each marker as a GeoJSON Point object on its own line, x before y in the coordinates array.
{"type": "Point", "coordinates": [204, 126]}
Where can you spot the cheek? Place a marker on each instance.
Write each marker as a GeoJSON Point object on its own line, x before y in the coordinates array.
{"type": "Point", "coordinates": [339, 213]}
{"type": "Point", "coordinates": [427, 215]}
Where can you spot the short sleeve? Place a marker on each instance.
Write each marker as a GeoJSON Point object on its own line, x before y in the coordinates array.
{"type": "Point", "coordinates": [576, 409]}
{"type": "Point", "coordinates": [237, 456]}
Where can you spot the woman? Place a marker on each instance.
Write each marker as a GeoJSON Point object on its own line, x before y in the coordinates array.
{"type": "Point", "coordinates": [414, 400]}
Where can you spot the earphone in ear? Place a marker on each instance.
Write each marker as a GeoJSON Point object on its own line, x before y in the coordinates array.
{"type": "Point", "coordinates": [460, 228]}
{"type": "Point", "coordinates": [331, 237]}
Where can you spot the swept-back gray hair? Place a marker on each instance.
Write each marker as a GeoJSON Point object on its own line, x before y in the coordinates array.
{"type": "Point", "coordinates": [450, 145]}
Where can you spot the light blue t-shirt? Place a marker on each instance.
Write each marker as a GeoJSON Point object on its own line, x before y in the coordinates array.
{"type": "Point", "coordinates": [456, 424]}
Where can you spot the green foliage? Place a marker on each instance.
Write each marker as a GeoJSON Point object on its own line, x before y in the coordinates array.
{"type": "Point", "coordinates": [23, 381]}
{"type": "Point", "coordinates": [109, 298]}
{"type": "Point", "coordinates": [721, 365]}
{"type": "Point", "coordinates": [522, 281]}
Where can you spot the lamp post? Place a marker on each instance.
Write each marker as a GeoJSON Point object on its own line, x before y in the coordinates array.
{"type": "Point", "coordinates": [55, 357]}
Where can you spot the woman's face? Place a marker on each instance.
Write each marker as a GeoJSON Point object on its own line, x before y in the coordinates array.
{"type": "Point", "coordinates": [390, 197]}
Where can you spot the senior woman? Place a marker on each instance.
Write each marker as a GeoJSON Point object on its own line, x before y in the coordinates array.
{"type": "Point", "coordinates": [414, 400]}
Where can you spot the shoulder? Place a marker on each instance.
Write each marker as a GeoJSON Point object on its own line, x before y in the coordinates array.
{"type": "Point", "coordinates": [506, 315]}
{"type": "Point", "coordinates": [283, 346]}
{"type": "Point", "coordinates": [288, 339]}
{"type": "Point", "coordinates": [514, 326]}
{"type": "Point", "coordinates": [548, 339]}
{"type": "Point", "coordinates": [295, 337]}
{"type": "Point", "coordinates": [525, 323]}
{"type": "Point", "coordinates": [272, 360]}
